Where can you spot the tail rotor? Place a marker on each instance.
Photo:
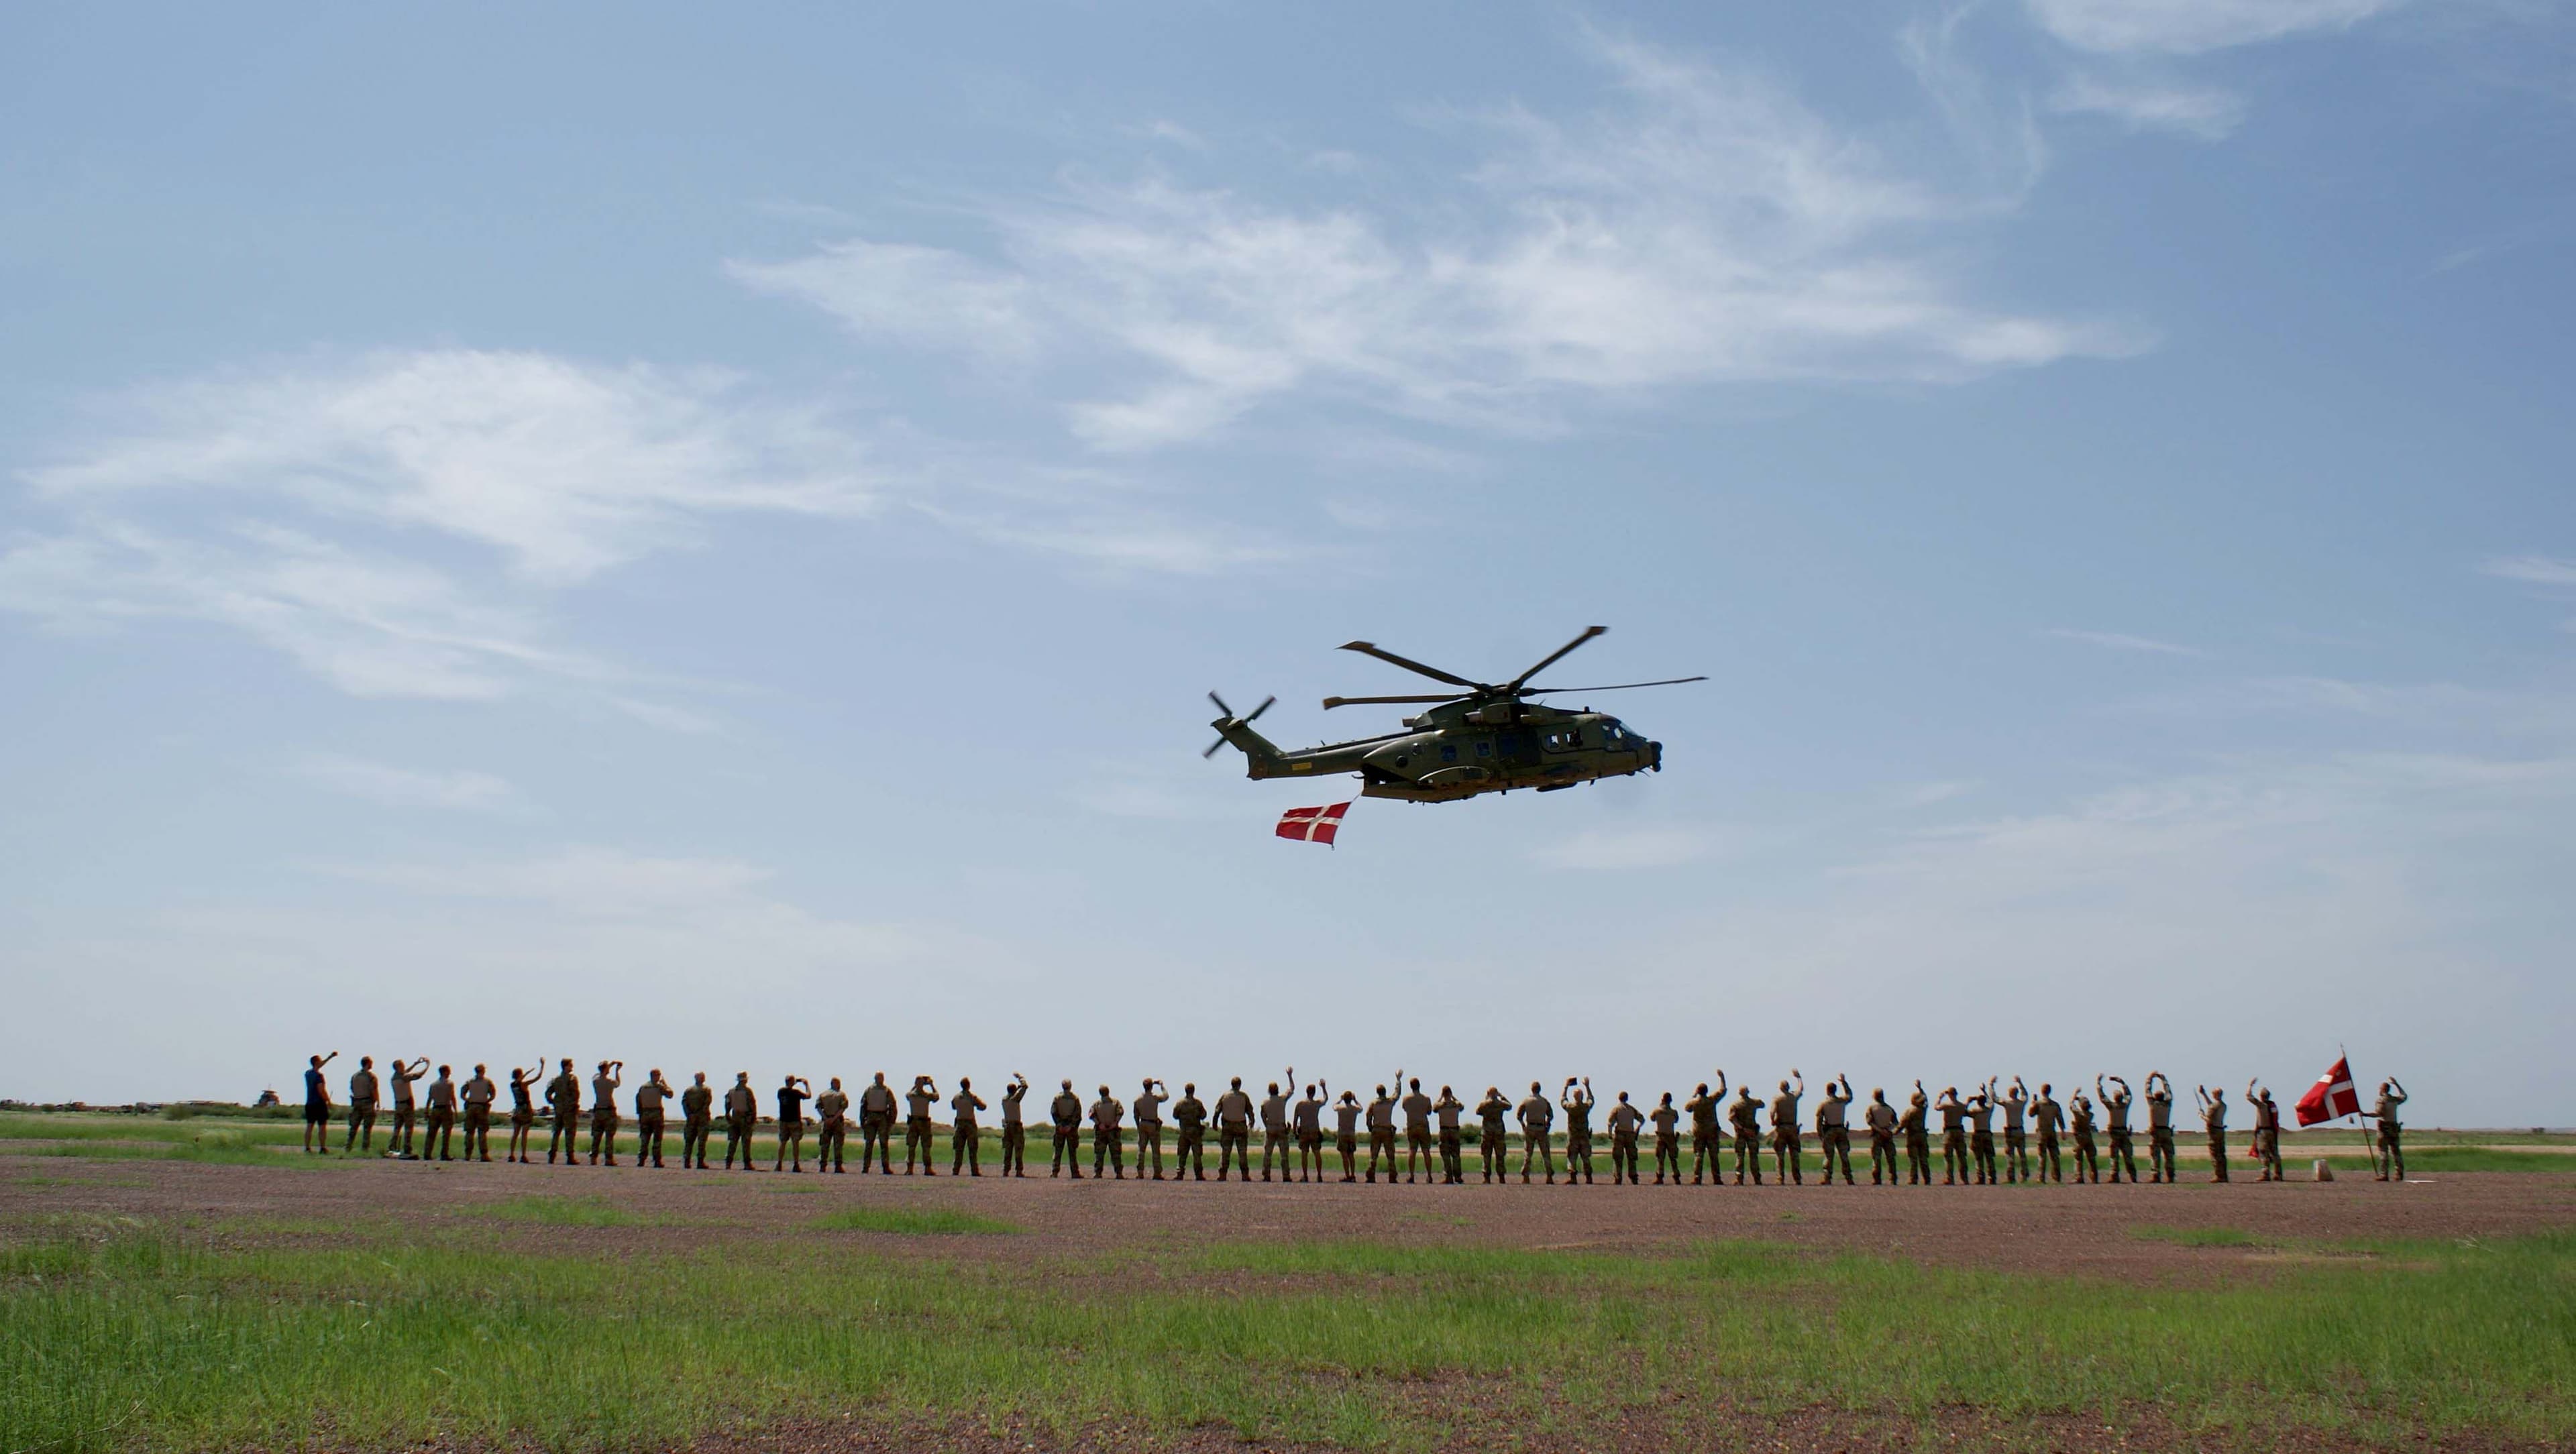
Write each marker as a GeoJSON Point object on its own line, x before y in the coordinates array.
{"type": "Point", "coordinates": [1229, 721]}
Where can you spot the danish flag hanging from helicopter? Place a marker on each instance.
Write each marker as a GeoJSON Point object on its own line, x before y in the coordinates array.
{"type": "Point", "coordinates": [1313, 825]}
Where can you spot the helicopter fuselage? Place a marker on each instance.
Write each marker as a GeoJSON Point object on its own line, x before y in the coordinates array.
{"type": "Point", "coordinates": [1463, 749]}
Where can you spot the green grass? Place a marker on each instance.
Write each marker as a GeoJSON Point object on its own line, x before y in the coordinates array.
{"type": "Point", "coordinates": [555, 1211]}
{"type": "Point", "coordinates": [2435, 1159]}
{"type": "Point", "coordinates": [2201, 1236]}
{"type": "Point", "coordinates": [135, 1338]}
{"type": "Point", "coordinates": [129, 1138]}
{"type": "Point", "coordinates": [923, 1222]}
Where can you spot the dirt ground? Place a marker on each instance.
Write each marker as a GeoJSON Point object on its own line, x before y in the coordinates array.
{"type": "Point", "coordinates": [2065, 1229]}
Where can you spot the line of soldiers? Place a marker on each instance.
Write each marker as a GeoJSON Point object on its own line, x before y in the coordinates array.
{"type": "Point", "coordinates": [1293, 1133]}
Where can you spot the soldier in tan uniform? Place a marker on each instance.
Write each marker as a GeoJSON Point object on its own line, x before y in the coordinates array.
{"type": "Point", "coordinates": [742, 1117]}
{"type": "Point", "coordinates": [916, 1124]}
{"type": "Point", "coordinates": [1981, 1132]}
{"type": "Point", "coordinates": [1149, 1126]}
{"type": "Point", "coordinates": [1234, 1133]}
{"type": "Point", "coordinates": [406, 1115]}
{"type": "Point", "coordinates": [523, 1111]}
{"type": "Point", "coordinates": [2080, 1119]}
{"type": "Point", "coordinates": [648, 1118]}
{"type": "Point", "coordinates": [1418, 1146]}
{"type": "Point", "coordinates": [2014, 1101]}
{"type": "Point", "coordinates": [1786, 1143]}
{"type": "Point", "coordinates": [697, 1122]}
{"type": "Point", "coordinates": [965, 1139]}
{"type": "Point", "coordinates": [1956, 1168]}
{"type": "Point", "coordinates": [2389, 1153]}
{"type": "Point", "coordinates": [1708, 1148]}
{"type": "Point", "coordinates": [1381, 1134]}
{"type": "Point", "coordinates": [2213, 1119]}
{"type": "Point", "coordinates": [1346, 1116]}
{"type": "Point", "coordinates": [2115, 1122]}
{"type": "Point", "coordinates": [1625, 1119]}
{"type": "Point", "coordinates": [362, 1105]}
{"type": "Point", "coordinates": [831, 1130]}
{"type": "Point", "coordinates": [1744, 1117]}
{"type": "Point", "coordinates": [1917, 1129]}
{"type": "Point", "coordinates": [1577, 1105]}
{"type": "Point", "coordinates": [1190, 1114]}
{"type": "Point", "coordinates": [2267, 1131]}
{"type": "Point", "coordinates": [793, 1092]}
{"type": "Point", "coordinates": [1880, 1119]}
{"type": "Point", "coordinates": [2045, 1118]}
{"type": "Point", "coordinates": [603, 1109]}
{"type": "Point", "coordinates": [1064, 1117]}
{"type": "Point", "coordinates": [1446, 1110]}
{"type": "Point", "coordinates": [1274, 1126]}
{"type": "Point", "coordinates": [563, 1098]}
{"type": "Point", "coordinates": [1491, 1113]}
{"type": "Point", "coordinates": [2160, 1132]}
{"type": "Point", "coordinates": [442, 1119]}
{"type": "Point", "coordinates": [1309, 1120]}
{"type": "Point", "coordinates": [1833, 1128]}
{"type": "Point", "coordinates": [1538, 1135]}
{"type": "Point", "coordinates": [1015, 1131]}
{"type": "Point", "coordinates": [876, 1126]}
{"type": "Point", "coordinates": [1668, 1140]}
{"type": "Point", "coordinates": [479, 1094]}
{"type": "Point", "coordinates": [1108, 1142]}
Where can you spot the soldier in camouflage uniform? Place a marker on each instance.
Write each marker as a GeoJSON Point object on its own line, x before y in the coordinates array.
{"type": "Point", "coordinates": [1381, 1133]}
{"type": "Point", "coordinates": [1064, 1116]}
{"type": "Point", "coordinates": [1538, 1139]}
{"type": "Point", "coordinates": [1880, 1119]}
{"type": "Point", "coordinates": [648, 1117]}
{"type": "Point", "coordinates": [1668, 1140]}
{"type": "Point", "coordinates": [362, 1105]}
{"type": "Point", "coordinates": [876, 1126]}
{"type": "Point", "coordinates": [697, 1122]}
{"type": "Point", "coordinates": [1234, 1133]}
{"type": "Point", "coordinates": [2045, 1118]}
{"type": "Point", "coordinates": [2213, 1119]}
{"type": "Point", "coordinates": [1015, 1131]}
{"type": "Point", "coordinates": [1346, 1115]}
{"type": "Point", "coordinates": [523, 1111]}
{"type": "Point", "coordinates": [1787, 1144]}
{"type": "Point", "coordinates": [2115, 1122]}
{"type": "Point", "coordinates": [1148, 1110]}
{"type": "Point", "coordinates": [1490, 1147]}
{"type": "Point", "coordinates": [563, 1097]}
{"type": "Point", "coordinates": [2389, 1153]}
{"type": "Point", "coordinates": [2087, 1166]}
{"type": "Point", "coordinates": [917, 1137]}
{"type": "Point", "coordinates": [1981, 1132]}
{"type": "Point", "coordinates": [965, 1139]}
{"type": "Point", "coordinates": [1417, 1133]}
{"type": "Point", "coordinates": [742, 1118]}
{"type": "Point", "coordinates": [2014, 1101]}
{"type": "Point", "coordinates": [1275, 1126]}
{"type": "Point", "coordinates": [442, 1119]}
{"type": "Point", "coordinates": [1833, 1129]}
{"type": "Point", "coordinates": [1578, 1130]}
{"type": "Point", "coordinates": [1956, 1168]}
{"type": "Point", "coordinates": [1916, 1124]}
{"type": "Point", "coordinates": [405, 1115]}
{"type": "Point", "coordinates": [832, 1134]}
{"type": "Point", "coordinates": [1310, 1136]}
{"type": "Point", "coordinates": [2267, 1131]}
{"type": "Point", "coordinates": [1190, 1114]}
{"type": "Point", "coordinates": [1108, 1141]}
{"type": "Point", "coordinates": [1708, 1148]}
{"type": "Point", "coordinates": [603, 1109]}
{"type": "Point", "coordinates": [2160, 1132]}
{"type": "Point", "coordinates": [1446, 1110]}
{"type": "Point", "coordinates": [1625, 1119]}
{"type": "Point", "coordinates": [1744, 1114]}
{"type": "Point", "coordinates": [479, 1094]}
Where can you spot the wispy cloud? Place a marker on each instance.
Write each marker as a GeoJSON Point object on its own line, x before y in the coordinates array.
{"type": "Point", "coordinates": [403, 787]}
{"type": "Point", "coordinates": [2184, 27]}
{"type": "Point", "coordinates": [2121, 641]}
{"type": "Point", "coordinates": [2198, 112]}
{"type": "Point", "coordinates": [1625, 848]}
{"type": "Point", "coordinates": [1705, 226]}
{"type": "Point", "coordinates": [2538, 570]}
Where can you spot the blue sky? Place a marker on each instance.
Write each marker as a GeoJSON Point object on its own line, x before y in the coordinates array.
{"type": "Point", "coordinates": [623, 533]}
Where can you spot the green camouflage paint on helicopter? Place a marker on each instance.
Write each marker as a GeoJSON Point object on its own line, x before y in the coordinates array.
{"type": "Point", "coordinates": [1486, 738]}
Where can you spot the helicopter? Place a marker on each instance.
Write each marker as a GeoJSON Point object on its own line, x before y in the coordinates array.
{"type": "Point", "coordinates": [1484, 738]}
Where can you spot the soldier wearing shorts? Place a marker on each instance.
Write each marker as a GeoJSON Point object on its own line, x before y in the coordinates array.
{"type": "Point", "coordinates": [648, 1118]}
{"type": "Point", "coordinates": [1625, 1122]}
{"type": "Point", "coordinates": [1108, 1142]}
{"type": "Point", "coordinates": [2267, 1131]}
{"type": "Point", "coordinates": [916, 1124]}
{"type": "Point", "coordinates": [697, 1122]}
{"type": "Point", "coordinates": [876, 1125]}
{"type": "Point", "coordinates": [742, 1117]}
{"type": "Point", "coordinates": [1491, 1113]}
{"type": "Point", "coordinates": [1064, 1118]}
{"type": "Point", "coordinates": [1956, 1168]}
{"type": "Point", "coordinates": [2389, 1154]}
{"type": "Point", "coordinates": [831, 1129]}
{"type": "Point", "coordinates": [2015, 1100]}
{"type": "Point", "coordinates": [965, 1139]}
{"type": "Point", "coordinates": [362, 1105]}
{"type": "Point", "coordinates": [1381, 1134]}
{"type": "Point", "coordinates": [442, 1119]}
{"type": "Point", "coordinates": [1981, 1132]}
{"type": "Point", "coordinates": [1668, 1140]}
{"type": "Point", "coordinates": [1015, 1131]}
{"type": "Point", "coordinates": [2080, 1122]}
{"type": "Point", "coordinates": [603, 1109]}
{"type": "Point", "coordinates": [1538, 1136]}
{"type": "Point", "coordinates": [1786, 1143]}
{"type": "Point", "coordinates": [1275, 1128]}
{"type": "Point", "coordinates": [2046, 1116]}
{"type": "Point", "coordinates": [1708, 1148]}
{"type": "Point", "coordinates": [793, 1093]}
{"type": "Point", "coordinates": [1880, 1119]}
{"type": "Point", "coordinates": [1309, 1120]}
{"type": "Point", "coordinates": [1190, 1114]}
{"type": "Point", "coordinates": [1149, 1126]}
{"type": "Point", "coordinates": [1418, 1146]}
{"type": "Point", "coordinates": [1744, 1116]}
{"type": "Point", "coordinates": [317, 1106]}
{"type": "Point", "coordinates": [563, 1098]}
{"type": "Point", "coordinates": [2213, 1119]}
{"type": "Point", "coordinates": [523, 1110]}
{"type": "Point", "coordinates": [1346, 1141]}
{"type": "Point", "coordinates": [2115, 1122]}
{"type": "Point", "coordinates": [1578, 1130]}
{"type": "Point", "coordinates": [406, 1114]}
{"type": "Point", "coordinates": [2160, 1131]}
{"type": "Point", "coordinates": [1234, 1133]}
{"type": "Point", "coordinates": [478, 1095]}
{"type": "Point", "coordinates": [1445, 1112]}
{"type": "Point", "coordinates": [1917, 1129]}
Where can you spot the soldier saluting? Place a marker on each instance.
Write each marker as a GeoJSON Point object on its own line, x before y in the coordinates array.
{"type": "Point", "coordinates": [1578, 1130]}
{"type": "Point", "coordinates": [2390, 1155]}
{"type": "Point", "coordinates": [1916, 1124]}
{"type": "Point", "coordinates": [1275, 1125]}
{"type": "Point", "coordinates": [1149, 1126]}
{"type": "Point", "coordinates": [2267, 1131]}
{"type": "Point", "coordinates": [1833, 1130]}
{"type": "Point", "coordinates": [1707, 1151]}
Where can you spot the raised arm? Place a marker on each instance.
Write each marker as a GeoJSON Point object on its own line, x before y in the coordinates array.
{"type": "Point", "coordinates": [327, 1059]}
{"type": "Point", "coordinates": [2398, 1087]}
{"type": "Point", "coordinates": [1801, 1081]}
{"type": "Point", "coordinates": [1721, 1083]}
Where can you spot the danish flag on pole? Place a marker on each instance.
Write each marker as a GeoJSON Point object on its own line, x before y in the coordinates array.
{"type": "Point", "coordinates": [2331, 1096]}
{"type": "Point", "coordinates": [1313, 825]}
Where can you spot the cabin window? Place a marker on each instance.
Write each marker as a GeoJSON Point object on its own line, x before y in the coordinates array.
{"type": "Point", "coordinates": [1448, 752]}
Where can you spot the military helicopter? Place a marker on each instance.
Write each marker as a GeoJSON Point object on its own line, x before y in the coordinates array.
{"type": "Point", "coordinates": [1484, 738]}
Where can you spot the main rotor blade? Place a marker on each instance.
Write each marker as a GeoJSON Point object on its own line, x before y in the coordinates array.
{"type": "Point", "coordinates": [1588, 633]}
{"type": "Point", "coordinates": [1369, 648]}
{"type": "Point", "coordinates": [1331, 702]}
{"type": "Point", "coordinates": [1265, 706]}
{"type": "Point", "coordinates": [1621, 687]}
{"type": "Point", "coordinates": [1212, 747]}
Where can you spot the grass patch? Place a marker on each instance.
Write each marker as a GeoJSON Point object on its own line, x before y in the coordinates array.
{"type": "Point", "coordinates": [141, 1138]}
{"type": "Point", "coordinates": [2461, 1158]}
{"type": "Point", "coordinates": [913, 1221]}
{"type": "Point", "coordinates": [2201, 1236]}
{"type": "Point", "coordinates": [130, 1338]}
{"type": "Point", "coordinates": [554, 1211]}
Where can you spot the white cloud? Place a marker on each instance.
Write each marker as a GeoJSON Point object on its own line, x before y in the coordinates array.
{"type": "Point", "coordinates": [402, 787]}
{"type": "Point", "coordinates": [2184, 27]}
{"type": "Point", "coordinates": [1624, 848]}
{"type": "Point", "coordinates": [919, 296]}
{"type": "Point", "coordinates": [2196, 112]}
{"type": "Point", "coordinates": [2538, 570]}
{"type": "Point", "coordinates": [1924, 795]}
{"type": "Point", "coordinates": [2121, 641]}
{"type": "Point", "coordinates": [1706, 227]}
